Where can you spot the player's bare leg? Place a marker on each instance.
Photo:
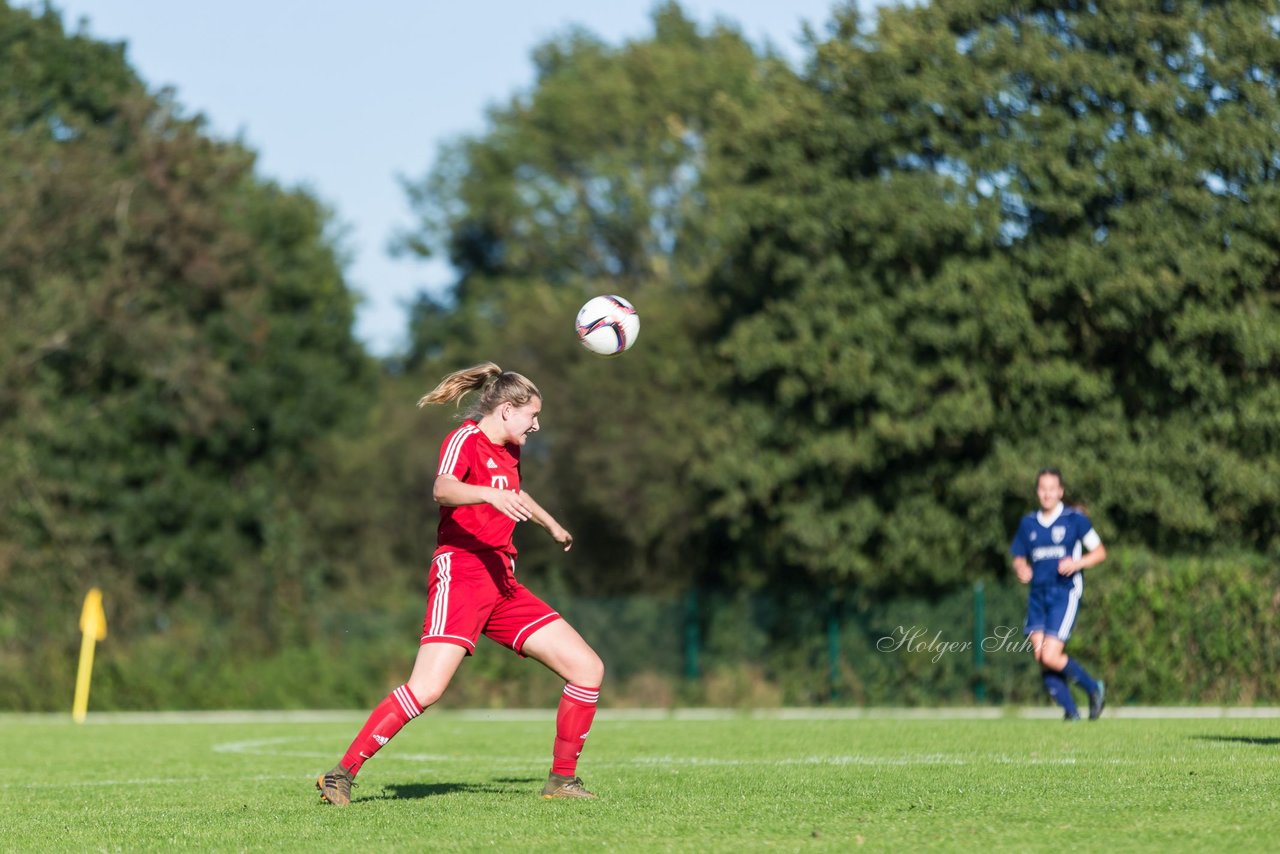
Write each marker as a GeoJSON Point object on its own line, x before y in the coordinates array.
{"type": "Point", "coordinates": [433, 671]}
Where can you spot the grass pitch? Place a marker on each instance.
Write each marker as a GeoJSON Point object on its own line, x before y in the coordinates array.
{"type": "Point", "coordinates": [724, 783]}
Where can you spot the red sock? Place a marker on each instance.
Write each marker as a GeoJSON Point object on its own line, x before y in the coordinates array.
{"type": "Point", "coordinates": [397, 709]}
{"type": "Point", "coordinates": [573, 723]}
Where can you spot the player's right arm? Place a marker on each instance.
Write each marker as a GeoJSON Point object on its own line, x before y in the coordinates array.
{"type": "Point", "coordinates": [1018, 550]}
{"type": "Point", "coordinates": [448, 491]}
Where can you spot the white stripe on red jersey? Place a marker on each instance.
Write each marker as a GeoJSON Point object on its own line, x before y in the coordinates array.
{"type": "Point", "coordinates": [468, 455]}
{"type": "Point", "coordinates": [449, 459]}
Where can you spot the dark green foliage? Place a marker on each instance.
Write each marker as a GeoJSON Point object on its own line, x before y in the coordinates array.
{"type": "Point", "coordinates": [1193, 627]}
{"type": "Point", "coordinates": [174, 343]}
{"type": "Point", "coordinates": [989, 237]}
{"type": "Point", "coordinates": [594, 183]}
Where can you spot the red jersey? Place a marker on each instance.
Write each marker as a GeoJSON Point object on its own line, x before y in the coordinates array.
{"type": "Point", "coordinates": [468, 455]}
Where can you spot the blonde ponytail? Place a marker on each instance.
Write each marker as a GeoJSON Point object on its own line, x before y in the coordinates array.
{"type": "Point", "coordinates": [458, 383]}
{"type": "Point", "coordinates": [499, 387]}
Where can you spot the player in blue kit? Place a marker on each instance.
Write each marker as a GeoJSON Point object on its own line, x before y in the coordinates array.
{"type": "Point", "coordinates": [1051, 550]}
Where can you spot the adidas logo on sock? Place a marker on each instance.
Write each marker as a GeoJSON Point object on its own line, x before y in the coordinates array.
{"type": "Point", "coordinates": [381, 739]}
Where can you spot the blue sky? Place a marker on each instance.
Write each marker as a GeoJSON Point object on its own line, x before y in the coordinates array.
{"type": "Point", "coordinates": [343, 97]}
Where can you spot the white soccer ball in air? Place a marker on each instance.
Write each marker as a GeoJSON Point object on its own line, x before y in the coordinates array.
{"type": "Point", "coordinates": [608, 325]}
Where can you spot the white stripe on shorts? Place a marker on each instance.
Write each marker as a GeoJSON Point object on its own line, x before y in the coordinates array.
{"type": "Point", "coordinates": [1073, 605]}
{"type": "Point", "coordinates": [466, 642]}
{"type": "Point", "coordinates": [440, 607]}
{"type": "Point", "coordinates": [515, 644]}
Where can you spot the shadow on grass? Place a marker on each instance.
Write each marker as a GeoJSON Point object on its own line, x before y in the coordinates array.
{"type": "Point", "coordinates": [1264, 741]}
{"type": "Point", "coordinates": [412, 791]}
{"type": "Point", "coordinates": [415, 791]}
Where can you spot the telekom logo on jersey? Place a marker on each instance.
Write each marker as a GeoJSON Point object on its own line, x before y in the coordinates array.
{"type": "Point", "coordinates": [499, 481]}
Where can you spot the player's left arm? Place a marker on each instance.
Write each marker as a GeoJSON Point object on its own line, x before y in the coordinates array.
{"type": "Point", "coordinates": [1095, 553]}
{"type": "Point", "coordinates": [547, 521]}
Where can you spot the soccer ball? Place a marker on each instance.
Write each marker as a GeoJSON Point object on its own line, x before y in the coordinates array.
{"type": "Point", "coordinates": [608, 325]}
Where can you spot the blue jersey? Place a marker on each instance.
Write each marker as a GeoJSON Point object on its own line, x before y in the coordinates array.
{"type": "Point", "coordinates": [1045, 540]}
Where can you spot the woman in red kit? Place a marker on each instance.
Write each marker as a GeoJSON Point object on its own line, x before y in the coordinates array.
{"type": "Point", "coordinates": [472, 587]}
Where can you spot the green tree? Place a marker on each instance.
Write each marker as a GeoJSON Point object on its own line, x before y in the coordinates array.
{"type": "Point", "coordinates": [595, 182]}
{"type": "Point", "coordinates": [986, 237]}
{"type": "Point", "coordinates": [175, 344]}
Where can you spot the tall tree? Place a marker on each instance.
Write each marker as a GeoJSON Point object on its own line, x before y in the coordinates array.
{"type": "Point", "coordinates": [175, 339]}
{"type": "Point", "coordinates": [988, 236]}
{"type": "Point", "coordinates": [595, 182]}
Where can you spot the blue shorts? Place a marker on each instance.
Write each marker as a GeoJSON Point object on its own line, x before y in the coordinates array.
{"type": "Point", "coordinates": [1052, 609]}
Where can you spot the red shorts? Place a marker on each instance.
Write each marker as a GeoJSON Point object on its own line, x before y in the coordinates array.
{"type": "Point", "coordinates": [470, 594]}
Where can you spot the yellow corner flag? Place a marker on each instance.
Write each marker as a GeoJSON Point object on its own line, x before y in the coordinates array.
{"type": "Point", "coordinates": [93, 625]}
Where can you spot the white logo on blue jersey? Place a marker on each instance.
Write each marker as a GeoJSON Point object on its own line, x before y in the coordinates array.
{"type": "Point", "coordinates": [1045, 542]}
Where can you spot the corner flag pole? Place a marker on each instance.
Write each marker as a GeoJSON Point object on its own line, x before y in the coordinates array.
{"type": "Point", "coordinates": [93, 624]}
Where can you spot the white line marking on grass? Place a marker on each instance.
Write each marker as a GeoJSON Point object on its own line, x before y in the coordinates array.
{"type": "Point", "coordinates": [260, 747]}
{"type": "Point", "coordinates": [250, 745]}
{"type": "Point", "coordinates": [270, 747]}
{"type": "Point", "coordinates": [888, 761]}
{"type": "Point", "coordinates": [149, 781]}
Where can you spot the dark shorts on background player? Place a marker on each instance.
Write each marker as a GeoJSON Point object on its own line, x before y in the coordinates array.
{"type": "Point", "coordinates": [1052, 608]}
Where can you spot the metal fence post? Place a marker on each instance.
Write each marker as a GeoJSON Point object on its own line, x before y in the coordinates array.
{"type": "Point", "coordinates": [833, 645]}
{"type": "Point", "coordinates": [691, 635]}
{"type": "Point", "coordinates": [979, 633]}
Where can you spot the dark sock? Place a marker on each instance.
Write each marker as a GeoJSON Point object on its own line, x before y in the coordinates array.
{"type": "Point", "coordinates": [1080, 676]}
{"type": "Point", "coordinates": [1060, 692]}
